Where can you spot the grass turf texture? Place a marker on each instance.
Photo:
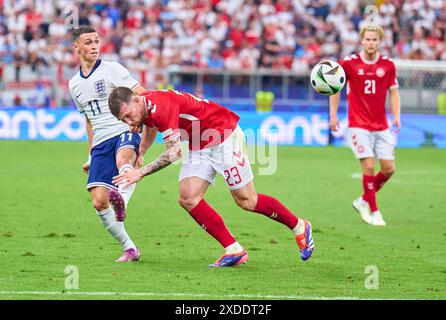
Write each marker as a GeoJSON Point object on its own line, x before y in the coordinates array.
{"type": "Point", "coordinates": [47, 223]}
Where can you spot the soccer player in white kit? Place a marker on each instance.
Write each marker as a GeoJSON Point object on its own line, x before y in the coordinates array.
{"type": "Point", "coordinates": [113, 149]}
{"type": "Point", "coordinates": [369, 77]}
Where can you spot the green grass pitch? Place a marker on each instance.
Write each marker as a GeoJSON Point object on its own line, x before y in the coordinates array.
{"type": "Point", "coordinates": [47, 223]}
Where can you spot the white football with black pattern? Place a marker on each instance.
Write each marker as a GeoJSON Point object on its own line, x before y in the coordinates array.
{"type": "Point", "coordinates": [327, 77]}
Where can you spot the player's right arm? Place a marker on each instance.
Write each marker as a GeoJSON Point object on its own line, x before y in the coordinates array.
{"type": "Point", "coordinates": [166, 121]}
{"type": "Point", "coordinates": [334, 104]}
{"type": "Point", "coordinates": [170, 155]}
{"type": "Point", "coordinates": [336, 98]}
{"type": "Point", "coordinates": [89, 128]}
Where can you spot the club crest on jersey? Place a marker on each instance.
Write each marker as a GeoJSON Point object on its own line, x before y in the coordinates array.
{"type": "Point", "coordinates": [99, 87]}
{"type": "Point", "coordinates": [360, 72]}
{"type": "Point", "coordinates": [380, 72]}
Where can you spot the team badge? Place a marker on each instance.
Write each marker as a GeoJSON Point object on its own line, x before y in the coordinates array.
{"type": "Point", "coordinates": [99, 87]}
{"type": "Point", "coordinates": [380, 72]}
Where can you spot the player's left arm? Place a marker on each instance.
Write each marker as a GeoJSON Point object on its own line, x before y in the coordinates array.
{"type": "Point", "coordinates": [395, 107]}
{"type": "Point", "coordinates": [395, 101]}
{"type": "Point", "coordinates": [170, 155]}
{"type": "Point", "coordinates": [121, 77]}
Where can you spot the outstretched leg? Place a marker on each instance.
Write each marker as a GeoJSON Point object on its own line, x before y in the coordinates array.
{"type": "Point", "coordinates": [248, 199]}
{"type": "Point", "coordinates": [386, 172]}
{"type": "Point", "coordinates": [192, 190]}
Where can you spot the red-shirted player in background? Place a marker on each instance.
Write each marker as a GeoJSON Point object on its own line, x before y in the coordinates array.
{"type": "Point", "coordinates": [369, 77]}
{"type": "Point", "coordinates": [216, 145]}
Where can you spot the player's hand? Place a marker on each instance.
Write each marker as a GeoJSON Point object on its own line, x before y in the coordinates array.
{"type": "Point", "coordinates": [139, 161]}
{"type": "Point", "coordinates": [136, 129]}
{"type": "Point", "coordinates": [86, 167]}
{"type": "Point", "coordinates": [397, 124]}
{"type": "Point", "coordinates": [127, 178]}
{"type": "Point", "coordinates": [334, 123]}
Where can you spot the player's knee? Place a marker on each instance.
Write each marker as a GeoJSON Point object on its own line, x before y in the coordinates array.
{"type": "Point", "coordinates": [188, 203]}
{"type": "Point", "coordinates": [100, 204]}
{"type": "Point", "coordinates": [389, 170]}
{"type": "Point", "coordinates": [124, 161]}
{"type": "Point", "coordinates": [246, 203]}
{"type": "Point", "coordinates": [369, 170]}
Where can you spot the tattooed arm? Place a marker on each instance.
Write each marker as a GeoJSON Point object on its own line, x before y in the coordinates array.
{"type": "Point", "coordinates": [170, 155]}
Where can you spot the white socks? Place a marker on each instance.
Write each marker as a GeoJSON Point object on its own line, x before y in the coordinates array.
{"type": "Point", "coordinates": [234, 248]}
{"type": "Point", "coordinates": [107, 216]}
{"type": "Point", "coordinates": [127, 192]}
{"type": "Point", "coordinates": [299, 228]}
{"type": "Point", "coordinates": [115, 228]}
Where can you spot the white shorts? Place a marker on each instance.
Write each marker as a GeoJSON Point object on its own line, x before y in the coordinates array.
{"type": "Point", "coordinates": [229, 159]}
{"type": "Point", "coordinates": [372, 144]}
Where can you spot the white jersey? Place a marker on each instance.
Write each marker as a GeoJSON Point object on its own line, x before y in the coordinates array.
{"type": "Point", "coordinates": [90, 93]}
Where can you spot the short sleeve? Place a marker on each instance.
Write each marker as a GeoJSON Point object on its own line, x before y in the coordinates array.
{"type": "Point", "coordinates": [393, 81]}
{"type": "Point", "coordinates": [121, 77]}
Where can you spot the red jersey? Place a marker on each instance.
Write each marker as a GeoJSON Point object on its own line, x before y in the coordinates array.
{"type": "Point", "coordinates": [200, 121]}
{"type": "Point", "coordinates": [367, 85]}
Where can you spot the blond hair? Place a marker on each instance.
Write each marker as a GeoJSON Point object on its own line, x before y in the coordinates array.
{"type": "Point", "coordinates": [374, 28]}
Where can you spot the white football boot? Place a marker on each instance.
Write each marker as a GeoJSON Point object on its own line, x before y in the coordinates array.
{"type": "Point", "coordinates": [377, 219]}
{"type": "Point", "coordinates": [362, 207]}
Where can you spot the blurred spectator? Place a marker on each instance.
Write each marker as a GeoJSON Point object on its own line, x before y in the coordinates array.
{"type": "Point", "coordinates": [215, 61]}
{"type": "Point", "coordinates": [17, 101]}
{"type": "Point", "coordinates": [1, 75]}
{"type": "Point", "coordinates": [18, 62]}
{"type": "Point", "coordinates": [234, 34]}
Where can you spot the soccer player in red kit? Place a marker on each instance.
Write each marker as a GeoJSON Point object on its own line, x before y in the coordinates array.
{"type": "Point", "coordinates": [216, 145]}
{"type": "Point", "coordinates": [369, 77]}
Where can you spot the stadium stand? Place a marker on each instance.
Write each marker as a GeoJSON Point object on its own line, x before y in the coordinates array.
{"type": "Point", "coordinates": [233, 35]}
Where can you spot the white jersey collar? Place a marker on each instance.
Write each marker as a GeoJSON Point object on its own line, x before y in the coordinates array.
{"type": "Point", "coordinates": [362, 55]}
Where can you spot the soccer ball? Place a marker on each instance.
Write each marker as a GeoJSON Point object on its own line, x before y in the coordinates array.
{"type": "Point", "coordinates": [327, 77]}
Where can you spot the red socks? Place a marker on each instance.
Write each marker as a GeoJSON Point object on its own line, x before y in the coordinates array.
{"type": "Point", "coordinates": [368, 184]}
{"type": "Point", "coordinates": [212, 222]}
{"type": "Point", "coordinates": [371, 185]}
{"type": "Point", "coordinates": [380, 179]}
{"type": "Point", "coordinates": [272, 208]}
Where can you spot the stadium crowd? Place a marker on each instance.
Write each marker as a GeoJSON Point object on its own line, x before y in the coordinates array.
{"type": "Point", "coordinates": [231, 34]}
